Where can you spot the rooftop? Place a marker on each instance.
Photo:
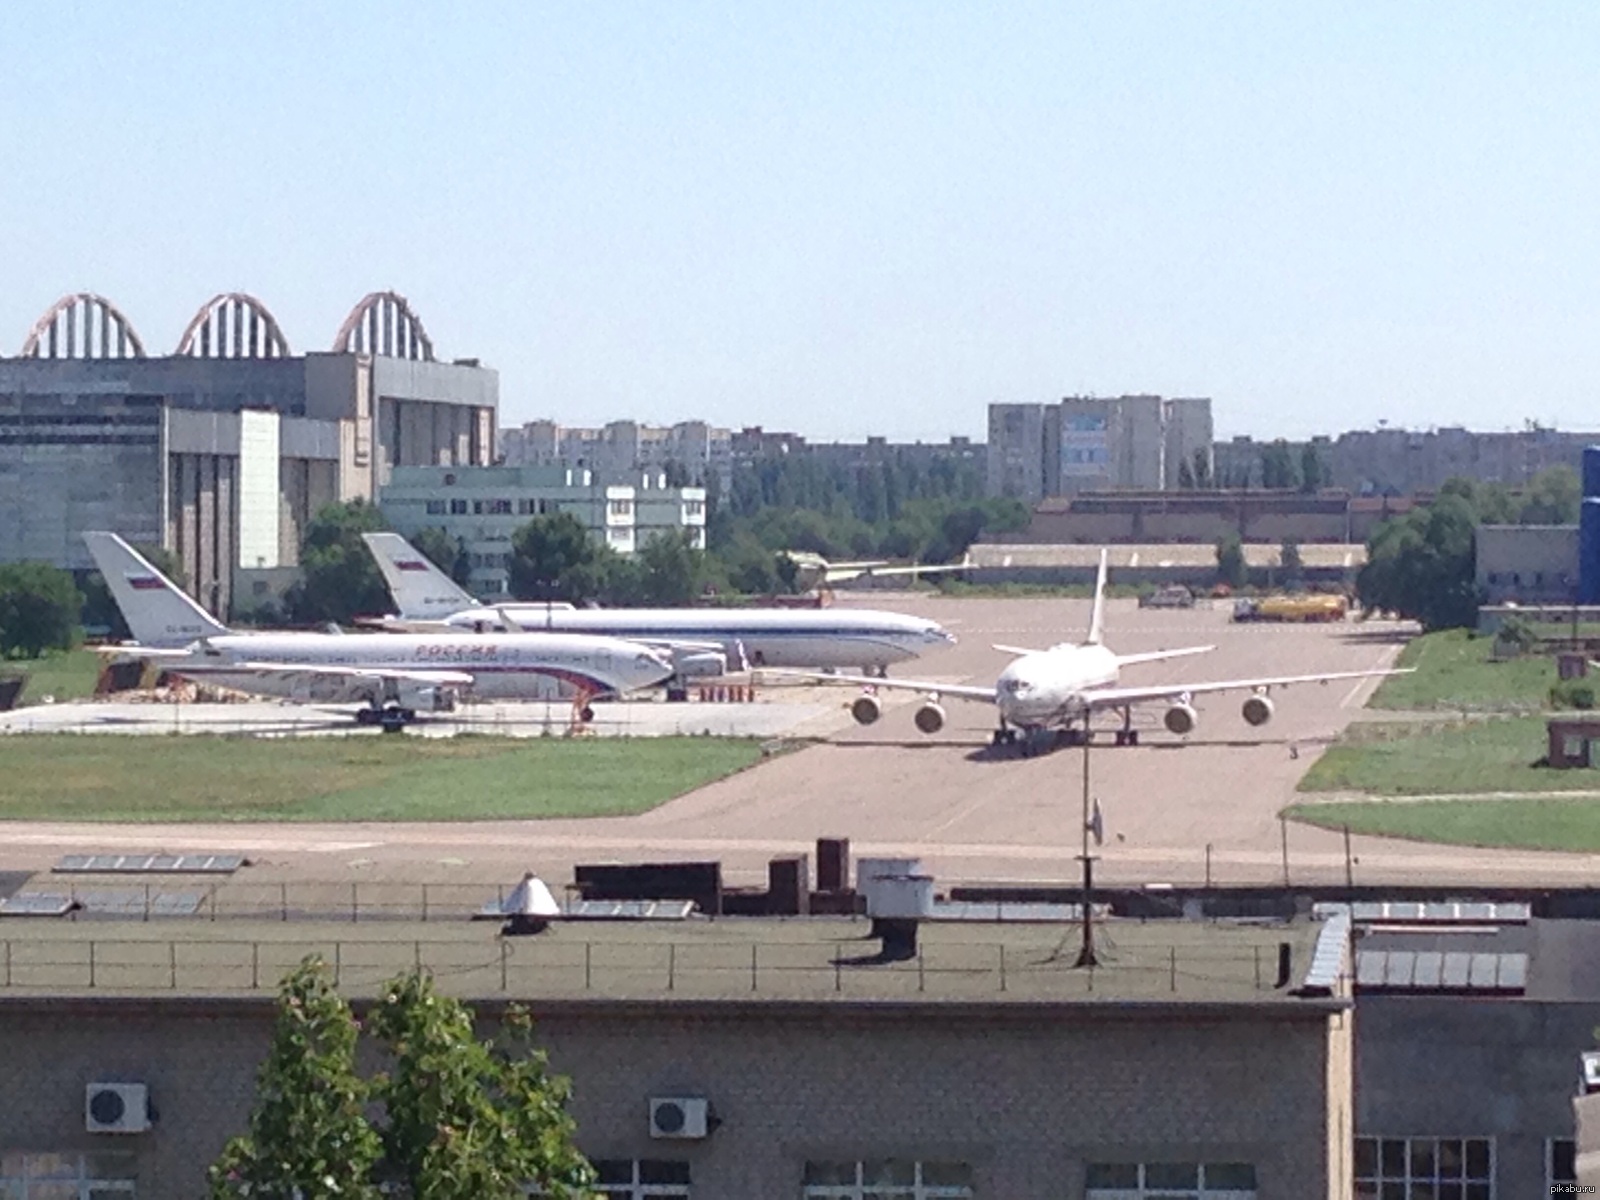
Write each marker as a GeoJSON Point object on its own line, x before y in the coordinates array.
{"type": "Point", "coordinates": [815, 960]}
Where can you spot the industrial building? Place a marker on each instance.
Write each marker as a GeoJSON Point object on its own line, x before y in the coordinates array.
{"type": "Point", "coordinates": [222, 450]}
{"type": "Point", "coordinates": [740, 1057]}
{"type": "Point", "coordinates": [1088, 443]}
{"type": "Point", "coordinates": [483, 507]}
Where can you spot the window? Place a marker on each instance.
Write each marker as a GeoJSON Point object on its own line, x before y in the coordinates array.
{"type": "Point", "coordinates": [1170, 1181]}
{"type": "Point", "coordinates": [1424, 1169]}
{"type": "Point", "coordinates": [458, 508]}
{"type": "Point", "coordinates": [621, 508]}
{"type": "Point", "coordinates": [66, 1176]}
{"type": "Point", "coordinates": [658, 1179]}
{"type": "Point", "coordinates": [1560, 1163]}
{"type": "Point", "coordinates": [435, 508]}
{"type": "Point", "coordinates": [695, 507]}
{"type": "Point", "coordinates": [887, 1179]}
{"type": "Point", "coordinates": [524, 507]}
{"type": "Point", "coordinates": [477, 508]}
{"type": "Point", "coordinates": [499, 508]}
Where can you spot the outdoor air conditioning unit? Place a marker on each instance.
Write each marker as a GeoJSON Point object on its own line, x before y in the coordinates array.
{"type": "Point", "coordinates": [116, 1108]}
{"type": "Point", "coordinates": [679, 1117]}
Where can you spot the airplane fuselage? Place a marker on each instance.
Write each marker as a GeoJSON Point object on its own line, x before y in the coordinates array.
{"type": "Point", "coordinates": [1047, 687]}
{"type": "Point", "coordinates": [772, 637]}
{"type": "Point", "coordinates": [519, 666]}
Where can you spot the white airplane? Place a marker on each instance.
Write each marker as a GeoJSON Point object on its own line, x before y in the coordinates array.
{"type": "Point", "coordinates": [1063, 687]}
{"type": "Point", "coordinates": [812, 570]}
{"type": "Point", "coordinates": [701, 641]}
{"type": "Point", "coordinates": [392, 676]}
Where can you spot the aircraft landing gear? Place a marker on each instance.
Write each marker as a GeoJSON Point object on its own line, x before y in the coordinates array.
{"type": "Point", "coordinates": [1127, 735]}
{"type": "Point", "coordinates": [393, 718]}
{"type": "Point", "coordinates": [1004, 736]}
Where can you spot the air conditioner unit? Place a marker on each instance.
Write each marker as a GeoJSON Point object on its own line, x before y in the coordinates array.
{"type": "Point", "coordinates": [678, 1117]}
{"type": "Point", "coordinates": [1591, 1072]}
{"type": "Point", "coordinates": [116, 1108]}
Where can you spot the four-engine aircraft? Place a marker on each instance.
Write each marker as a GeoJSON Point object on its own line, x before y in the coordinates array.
{"type": "Point", "coordinates": [1061, 688]}
{"type": "Point", "coordinates": [393, 676]}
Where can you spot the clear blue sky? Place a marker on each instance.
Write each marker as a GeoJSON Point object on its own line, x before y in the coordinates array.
{"type": "Point", "coordinates": [846, 218]}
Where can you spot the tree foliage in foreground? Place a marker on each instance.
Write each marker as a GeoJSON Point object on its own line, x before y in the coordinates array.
{"type": "Point", "coordinates": [39, 609]}
{"type": "Point", "coordinates": [460, 1117]}
{"type": "Point", "coordinates": [339, 577]}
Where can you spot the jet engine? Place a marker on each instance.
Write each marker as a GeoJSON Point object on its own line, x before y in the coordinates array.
{"type": "Point", "coordinates": [426, 697]}
{"type": "Point", "coordinates": [866, 709]}
{"type": "Point", "coordinates": [930, 718]}
{"type": "Point", "coordinates": [1258, 710]}
{"type": "Point", "coordinates": [1181, 718]}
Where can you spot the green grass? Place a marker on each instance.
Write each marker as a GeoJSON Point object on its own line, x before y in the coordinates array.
{"type": "Point", "coordinates": [63, 674]}
{"type": "Point", "coordinates": [1496, 755]}
{"type": "Point", "coordinates": [109, 777]}
{"type": "Point", "coordinates": [1453, 671]}
{"type": "Point", "coordinates": [1533, 824]}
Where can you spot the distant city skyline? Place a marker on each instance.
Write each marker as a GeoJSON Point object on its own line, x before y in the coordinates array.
{"type": "Point", "coordinates": [847, 219]}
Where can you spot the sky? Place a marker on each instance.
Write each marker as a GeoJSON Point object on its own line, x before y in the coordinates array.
{"type": "Point", "coordinates": [846, 219]}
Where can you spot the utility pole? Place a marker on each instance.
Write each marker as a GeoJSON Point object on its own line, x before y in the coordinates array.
{"type": "Point", "coordinates": [1086, 954]}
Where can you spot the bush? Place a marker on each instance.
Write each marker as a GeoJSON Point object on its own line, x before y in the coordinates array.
{"type": "Point", "coordinates": [1572, 693]}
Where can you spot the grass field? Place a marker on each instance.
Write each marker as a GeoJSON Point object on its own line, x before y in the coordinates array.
{"type": "Point", "coordinates": [64, 675]}
{"type": "Point", "coordinates": [1496, 755]}
{"type": "Point", "coordinates": [1453, 671]}
{"type": "Point", "coordinates": [1542, 824]}
{"type": "Point", "coordinates": [85, 777]}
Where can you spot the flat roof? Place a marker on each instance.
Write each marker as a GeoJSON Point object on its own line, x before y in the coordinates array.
{"type": "Point", "coordinates": [1086, 555]}
{"type": "Point", "coordinates": [816, 960]}
{"type": "Point", "coordinates": [1561, 958]}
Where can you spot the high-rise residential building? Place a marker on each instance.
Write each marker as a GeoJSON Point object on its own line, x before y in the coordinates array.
{"type": "Point", "coordinates": [1091, 443]}
{"type": "Point", "coordinates": [621, 449]}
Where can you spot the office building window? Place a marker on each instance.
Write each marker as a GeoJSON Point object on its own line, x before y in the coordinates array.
{"type": "Point", "coordinates": [435, 508]}
{"type": "Point", "coordinates": [458, 508]}
{"type": "Point", "coordinates": [1424, 1169]}
{"type": "Point", "coordinates": [621, 508]}
{"type": "Point", "coordinates": [66, 1176]}
{"type": "Point", "coordinates": [642, 1179]}
{"type": "Point", "coordinates": [1170, 1181]}
{"type": "Point", "coordinates": [887, 1179]}
{"type": "Point", "coordinates": [524, 507]}
{"type": "Point", "coordinates": [499, 508]}
{"type": "Point", "coordinates": [1560, 1163]}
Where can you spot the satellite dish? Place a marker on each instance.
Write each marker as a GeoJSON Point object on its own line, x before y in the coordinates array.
{"type": "Point", "coordinates": [1097, 825]}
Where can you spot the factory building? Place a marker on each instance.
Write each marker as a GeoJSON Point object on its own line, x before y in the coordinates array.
{"type": "Point", "coordinates": [1089, 443]}
{"type": "Point", "coordinates": [483, 507]}
{"type": "Point", "coordinates": [223, 450]}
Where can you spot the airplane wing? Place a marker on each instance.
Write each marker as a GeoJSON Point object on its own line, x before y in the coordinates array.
{"type": "Point", "coordinates": [1130, 660]}
{"type": "Point", "coordinates": [1119, 697]}
{"type": "Point", "coordinates": [925, 686]}
{"type": "Point", "coordinates": [355, 674]}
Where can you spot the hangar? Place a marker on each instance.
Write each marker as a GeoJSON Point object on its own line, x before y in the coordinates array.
{"type": "Point", "coordinates": [221, 450]}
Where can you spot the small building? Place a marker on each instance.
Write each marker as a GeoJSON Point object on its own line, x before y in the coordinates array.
{"type": "Point", "coordinates": [1527, 564]}
{"type": "Point", "coordinates": [1573, 740]}
{"type": "Point", "coordinates": [483, 507]}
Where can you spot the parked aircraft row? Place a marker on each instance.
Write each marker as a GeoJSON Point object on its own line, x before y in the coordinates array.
{"type": "Point", "coordinates": [522, 652]}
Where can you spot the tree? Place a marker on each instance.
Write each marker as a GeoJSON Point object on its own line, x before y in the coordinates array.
{"type": "Point", "coordinates": [1185, 476]}
{"type": "Point", "coordinates": [554, 558]}
{"type": "Point", "coordinates": [445, 552]}
{"type": "Point", "coordinates": [453, 1116]}
{"type": "Point", "coordinates": [1554, 497]}
{"type": "Point", "coordinates": [1231, 568]}
{"type": "Point", "coordinates": [1421, 565]}
{"type": "Point", "coordinates": [1200, 470]}
{"type": "Point", "coordinates": [1293, 565]}
{"type": "Point", "coordinates": [339, 576]}
{"type": "Point", "coordinates": [671, 567]}
{"type": "Point", "coordinates": [309, 1135]}
{"type": "Point", "coordinates": [39, 609]}
{"type": "Point", "coordinates": [1278, 466]}
{"type": "Point", "coordinates": [466, 1119]}
{"type": "Point", "coordinates": [1313, 475]}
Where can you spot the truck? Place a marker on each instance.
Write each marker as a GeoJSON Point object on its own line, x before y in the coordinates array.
{"type": "Point", "coordinates": [1291, 608]}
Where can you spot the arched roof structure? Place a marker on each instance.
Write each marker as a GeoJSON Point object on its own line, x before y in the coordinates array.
{"type": "Point", "coordinates": [83, 325]}
{"type": "Point", "coordinates": [233, 325]}
{"type": "Point", "coordinates": [383, 323]}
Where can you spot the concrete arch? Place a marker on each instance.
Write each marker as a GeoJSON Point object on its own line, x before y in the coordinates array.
{"type": "Point", "coordinates": [383, 323]}
{"type": "Point", "coordinates": [233, 325]}
{"type": "Point", "coordinates": [83, 325]}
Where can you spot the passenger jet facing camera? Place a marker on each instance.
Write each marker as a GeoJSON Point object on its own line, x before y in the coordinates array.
{"type": "Point", "coordinates": [1063, 687]}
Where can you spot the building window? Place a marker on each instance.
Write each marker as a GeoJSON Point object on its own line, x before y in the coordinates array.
{"type": "Point", "coordinates": [524, 507]}
{"type": "Point", "coordinates": [458, 508]}
{"type": "Point", "coordinates": [658, 1179]}
{"type": "Point", "coordinates": [1560, 1163]}
{"type": "Point", "coordinates": [887, 1179]}
{"type": "Point", "coordinates": [694, 507]}
{"type": "Point", "coordinates": [499, 508]}
{"type": "Point", "coordinates": [1170, 1181]}
{"type": "Point", "coordinates": [1414, 1168]}
{"type": "Point", "coordinates": [435, 508]}
{"type": "Point", "coordinates": [66, 1176]}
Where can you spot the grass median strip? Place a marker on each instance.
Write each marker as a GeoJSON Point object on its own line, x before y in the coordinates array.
{"type": "Point", "coordinates": [1543, 823]}
{"type": "Point", "coordinates": [1454, 671]}
{"type": "Point", "coordinates": [86, 777]}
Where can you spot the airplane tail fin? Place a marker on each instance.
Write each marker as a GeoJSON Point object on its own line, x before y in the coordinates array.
{"type": "Point", "coordinates": [420, 589]}
{"type": "Point", "coordinates": [1097, 613]}
{"type": "Point", "coordinates": [157, 611]}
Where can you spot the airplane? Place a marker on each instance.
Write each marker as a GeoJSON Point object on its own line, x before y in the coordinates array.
{"type": "Point", "coordinates": [699, 640]}
{"type": "Point", "coordinates": [814, 571]}
{"type": "Point", "coordinates": [1061, 688]}
{"type": "Point", "coordinates": [393, 676]}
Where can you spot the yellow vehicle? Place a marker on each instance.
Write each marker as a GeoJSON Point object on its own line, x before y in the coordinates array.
{"type": "Point", "coordinates": [1292, 608]}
